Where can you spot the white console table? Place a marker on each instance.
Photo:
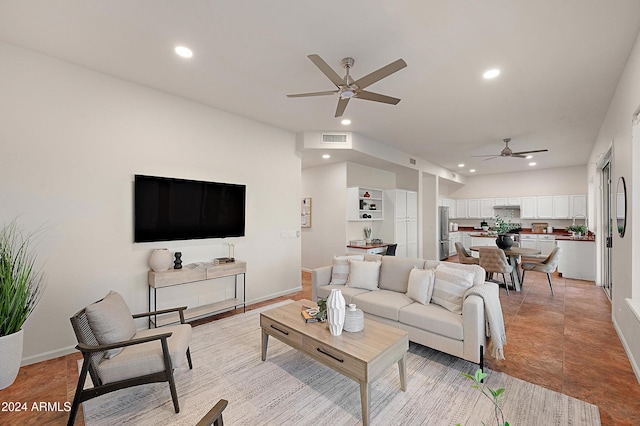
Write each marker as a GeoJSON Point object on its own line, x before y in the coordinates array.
{"type": "Point", "coordinates": [195, 272]}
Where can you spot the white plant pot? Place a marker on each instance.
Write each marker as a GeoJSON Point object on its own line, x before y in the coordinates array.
{"type": "Point", "coordinates": [10, 358]}
{"type": "Point", "coordinates": [335, 312]}
{"type": "Point", "coordinates": [161, 260]}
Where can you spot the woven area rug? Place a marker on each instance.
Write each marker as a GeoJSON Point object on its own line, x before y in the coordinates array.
{"type": "Point", "coordinates": [290, 388]}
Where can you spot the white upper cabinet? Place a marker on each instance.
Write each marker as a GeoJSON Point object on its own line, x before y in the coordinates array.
{"type": "Point", "coordinates": [578, 205]}
{"type": "Point", "coordinates": [561, 207]}
{"type": "Point", "coordinates": [545, 207]}
{"type": "Point", "coordinates": [486, 208]}
{"type": "Point", "coordinates": [461, 208]}
{"type": "Point", "coordinates": [514, 201]}
{"type": "Point", "coordinates": [473, 208]}
{"type": "Point", "coordinates": [528, 208]}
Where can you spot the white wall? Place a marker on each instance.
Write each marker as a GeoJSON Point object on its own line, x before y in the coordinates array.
{"type": "Point", "coordinates": [327, 187]}
{"type": "Point", "coordinates": [616, 130]}
{"type": "Point", "coordinates": [72, 140]}
{"type": "Point", "coordinates": [559, 181]}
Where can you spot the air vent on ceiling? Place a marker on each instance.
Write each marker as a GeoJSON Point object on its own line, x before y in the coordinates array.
{"type": "Point", "coordinates": [412, 161]}
{"type": "Point", "coordinates": [334, 138]}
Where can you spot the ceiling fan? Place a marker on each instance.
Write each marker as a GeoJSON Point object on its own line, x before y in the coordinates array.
{"type": "Point", "coordinates": [507, 152]}
{"type": "Point", "coordinates": [348, 88]}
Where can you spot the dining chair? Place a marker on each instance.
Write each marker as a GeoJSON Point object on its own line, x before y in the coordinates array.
{"type": "Point", "coordinates": [493, 260]}
{"type": "Point", "coordinates": [548, 266]}
{"type": "Point", "coordinates": [391, 250]}
{"type": "Point", "coordinates": [464, 256]}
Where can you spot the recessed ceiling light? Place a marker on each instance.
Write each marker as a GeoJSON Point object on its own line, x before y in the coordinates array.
{"type": "Point", "coordinates": [472, 170]}
{"type": "Point", "coordinates": [326, 156]}
{"type": "Point", "coordinates": [529, 157]}
{"type": "Point", "coordinates": [461, 165]}
{"type": "Point", "coordinates": [532, 163]}
{"type": "Point", "coordinates": [183, 51]}
{"type": "Point", "coordinates": [346, 122]}
{"type": "Point", "coordinates": [491, 73]}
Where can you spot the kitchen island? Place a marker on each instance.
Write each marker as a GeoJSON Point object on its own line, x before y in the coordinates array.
{"type": "Point", "coordinates": [578, 257]}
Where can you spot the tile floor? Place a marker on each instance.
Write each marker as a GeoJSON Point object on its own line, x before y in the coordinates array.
{"type": "Point", "coordinates": [565, 342]}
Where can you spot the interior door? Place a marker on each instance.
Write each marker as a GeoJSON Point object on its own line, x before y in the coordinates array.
{"type": "Point", "coordinates": [608, 225]}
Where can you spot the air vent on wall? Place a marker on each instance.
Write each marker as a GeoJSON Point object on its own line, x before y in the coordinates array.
{"type": "Point", "coordinates": [412, 161]}
{"type": "Point", "coordinates": [334, 138]}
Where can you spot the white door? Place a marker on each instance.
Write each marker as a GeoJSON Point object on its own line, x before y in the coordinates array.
{"type": "Point", "coordinates": [412, 205]}
{"type": "Point", "coordinates": [401, 237]}
{"type": "Point", "coordinates": [401, 204]}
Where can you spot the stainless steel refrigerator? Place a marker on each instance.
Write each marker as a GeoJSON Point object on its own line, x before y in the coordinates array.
{"type": "Point", "coordinates": [443, 232]}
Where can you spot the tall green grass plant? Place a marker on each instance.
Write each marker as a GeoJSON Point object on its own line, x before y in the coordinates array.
{"type": "Point", "coordinates": [21, 282]}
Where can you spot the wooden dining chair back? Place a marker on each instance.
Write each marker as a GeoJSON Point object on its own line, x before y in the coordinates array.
{"type": "Point", "coordinates": [547, 266]}
{"type": "Point", "coordinates": [464, 257]}
{"type": "Point", "coordinates": [493, 260]}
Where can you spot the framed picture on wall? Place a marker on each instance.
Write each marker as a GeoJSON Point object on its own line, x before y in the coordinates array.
{"type": "Point", "coordinates": [306, 212]}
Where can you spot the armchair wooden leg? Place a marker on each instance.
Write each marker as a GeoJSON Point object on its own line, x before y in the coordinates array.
{"type": "Point", "coordinates": [505, 283]}
{"type": "Point", "coordinates": [169, 374]}
{"type": "Point", "coordinates": [189, 359]}
{"type": "Point", "coordinates": [79, 387]}
{"type": "Point", "coordinates": [550, 285]}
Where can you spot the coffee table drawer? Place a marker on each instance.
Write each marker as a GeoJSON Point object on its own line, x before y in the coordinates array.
{"type": "Point", "coordinates": [332, 358]}
{"type": "Point", "coordinates": [281, 332]}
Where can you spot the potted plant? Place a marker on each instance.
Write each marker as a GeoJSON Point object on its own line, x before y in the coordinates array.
{"type": "Point", "coordinates": [21, 286]}
{"type": "Point", "coordinates": [484, 225]}
{"type": "Point", "coordinates": [503, 241]}
{"type": "Point", "coordinates": [577, 230]}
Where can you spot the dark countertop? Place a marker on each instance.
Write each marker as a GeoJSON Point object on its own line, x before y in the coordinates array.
{"type": "Point", "coordinates": [370, 246]}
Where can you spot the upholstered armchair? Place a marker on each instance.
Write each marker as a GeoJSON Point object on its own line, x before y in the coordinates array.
{"type": "Point", "coordinates": [493, 260]}
{"type": "Point", "coordinates": [547, 266]}
{"type": "Point", "coordinates": [116, 355]}
{"type": "Point", "coordinates": [464, 257]}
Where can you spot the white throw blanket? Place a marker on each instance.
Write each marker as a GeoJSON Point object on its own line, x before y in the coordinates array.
{"type": "Point", "coordinates": [489, 293]}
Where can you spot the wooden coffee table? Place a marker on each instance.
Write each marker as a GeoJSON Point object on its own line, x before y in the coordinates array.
{"type": "Point", "coordinates": [361, 356]}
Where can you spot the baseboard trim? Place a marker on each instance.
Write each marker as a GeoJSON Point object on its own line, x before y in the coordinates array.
{"type": "Point", "coordinates": [632, 361]}
{"type": "Point", "coordinates": [274, 295]}
{"type": "Point", "coordinates": [45, 356]}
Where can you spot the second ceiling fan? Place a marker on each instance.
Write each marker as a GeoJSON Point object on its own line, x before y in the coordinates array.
{"type": "Point", "coordinates": [348, 88]}
{"type": "Point", "coordinates": [508, 152]}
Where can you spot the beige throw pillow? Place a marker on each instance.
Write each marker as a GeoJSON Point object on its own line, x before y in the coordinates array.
{"type": "Point", "coordinates": [449, 287]}
{"type": "Point", "coordinates": [340, 268]}
{"type": "Point", "coordinates": [363, 274]}
{"type": "Point", "coordinates": [111, 321]}
{"type": "Point", "coordinates": [420, 287]}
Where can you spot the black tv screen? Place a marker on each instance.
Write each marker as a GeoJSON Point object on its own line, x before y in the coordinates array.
{"type": "Point", "coordinates": [178, 209]}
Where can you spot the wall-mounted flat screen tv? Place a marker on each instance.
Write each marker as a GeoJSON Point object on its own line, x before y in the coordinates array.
{"type": "Point", "coordinates": [179, 209]}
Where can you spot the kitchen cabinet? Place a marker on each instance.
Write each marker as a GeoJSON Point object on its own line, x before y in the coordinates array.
{"type": "Point", "coordinates": [514, 201]}
{"type": "Point", "coordinates": [542, 242]}
{"type": "Point", "coordinates": [528, 208]}
{"type": "Point", "coordinates": [561, 207]}
{"type": "Point", "coordinates": [578, 205]}
{"type": "Point", "coordinates": [577, 259]}
{"type": "Point", "coordinates": [486, 208]}
{"type": "Point", "coordinates": [461, 209]}
{"type": "Point", "coordinates": [454, 237]}
{"type": "Point", "coordinates": [544, 207]}
{"type": "Point", "coordinates": [473, 208]}
{"type": "Point", "coordinates": [465, 237]}
{"type": "Point", "coordinates": [401, 221]}
{"type": "Point", "coordinates": [483, 242]}
{"type": "Point", "coordinates": [364, 204]}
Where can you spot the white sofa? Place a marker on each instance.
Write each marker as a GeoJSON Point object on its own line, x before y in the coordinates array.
{"type": "Point", "coordinates": [430, 325]}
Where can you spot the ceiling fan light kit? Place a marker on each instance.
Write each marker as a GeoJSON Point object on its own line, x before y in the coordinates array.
{"type": "Point", "coordinates": [347, 88]}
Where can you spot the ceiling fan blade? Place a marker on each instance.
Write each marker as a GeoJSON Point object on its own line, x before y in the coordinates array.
{"type": "Point", "coordinates": [518, 156]}
{"type": "Point", "coordinates": [378, 75]}
{"type": "Point", "coordinates": [326, 70]}
{"type": "Point", "coordinates": [491, 157]}
{"type": "Point", "coordinates": [529, 152]}
{"type": "Point", "coordinates": [302, 95]}
{"type": "Point", "coordinates": [342, 105]}
{"type": "Point", "coordinates": [370, 96]}
{"type": "Point", "coordinates": [488, 155]}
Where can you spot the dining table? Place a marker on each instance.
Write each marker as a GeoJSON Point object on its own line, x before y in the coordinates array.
{"type": "Point", "coordinates": [513, 253]}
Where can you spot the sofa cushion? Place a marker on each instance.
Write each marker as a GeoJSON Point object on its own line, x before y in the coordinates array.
{"type": "Point", "coordinates": [110, 321]}
{"type": "Point", "coordinates": [383, 303]}
{"type": "Point", "coordinates": [434, 318]}
{"type": "Point", "coordinates": [420, 287]}
{"type": "Point", "coordinates": [449, 287]}
{"type": "Point", "coordinates": [363, 274]}
{"type": "Point", "coordinates": [340, 268]}
{"type": "Point", "coordinates": [478, 277]}
{"type": "Point", "coordinates": [394, 272]}
{"type": "Point", "coordinates": [323, 291]}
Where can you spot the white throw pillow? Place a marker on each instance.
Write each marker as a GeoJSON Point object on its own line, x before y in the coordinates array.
{"type": "Point", "coordinates": [340, 269]}
{"type": "Point", "coordinates": [111, 321]}
{"type": "Point", "coordinates": [420, 287]}
{"type": "Point", "coordinates": [363, 274]}
{"type": "Point", "coordinates": [449, 287]}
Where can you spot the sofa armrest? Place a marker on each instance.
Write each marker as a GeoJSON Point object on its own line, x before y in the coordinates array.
{"type": "Point", "coordinates": [473, 323]}
{"type": "Point", "coordinates": [319, 276]}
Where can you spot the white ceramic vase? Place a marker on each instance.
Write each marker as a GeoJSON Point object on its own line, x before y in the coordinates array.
{"type": "Point", "coordinates": [161, 260]}
{"type": "Point", "coordinates": [335, 312]}
{"type": "Point", "coordinates": [10, 358]}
